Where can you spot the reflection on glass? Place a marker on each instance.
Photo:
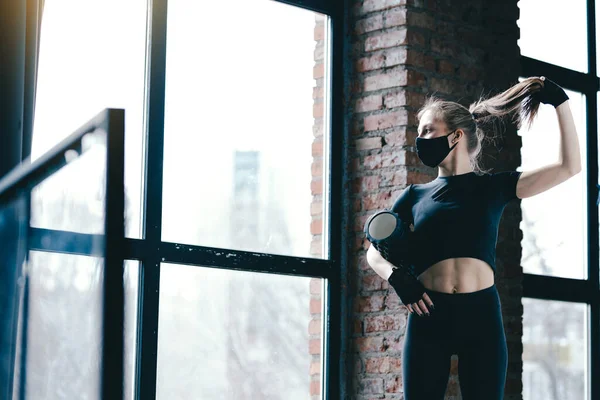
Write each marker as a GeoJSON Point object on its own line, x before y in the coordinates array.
{"type": "Point", "coordinates": [73, 198]}
{"type": "Point", "coordinates": [14, 223]}
{"type": "Point", "coordinates": [540, 38]}
{"type": "Point", "coordinates": [555, 351]}
{"type": "Point", "coordinates": [553, 225]}
{"type": "Point", "coordinates": [243, 161]}
{"type": "Point", "coordinates": [65, 326]}
{"type": "Point", "coordinates": [130, 281]}
{"type": "Point", "coordinates": [92, 56]}
{"type": "Point", "coordinates": [235, 335]}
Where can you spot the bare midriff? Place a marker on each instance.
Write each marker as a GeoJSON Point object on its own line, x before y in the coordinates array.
{"type": "Point", "coordinates": [458, 275]}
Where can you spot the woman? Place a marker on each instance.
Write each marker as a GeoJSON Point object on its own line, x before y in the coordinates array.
{"type": "Point", "coordinates": [455, 219]}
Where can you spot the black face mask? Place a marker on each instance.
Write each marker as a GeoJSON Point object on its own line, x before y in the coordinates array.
{"type": "Point", "coordinates": [433, 151]}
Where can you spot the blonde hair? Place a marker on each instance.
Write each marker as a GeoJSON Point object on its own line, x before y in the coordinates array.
{"type": "Point", "coordinates": [481, 120]}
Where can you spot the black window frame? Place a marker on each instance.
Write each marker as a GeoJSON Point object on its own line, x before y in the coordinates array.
{"type": "Point", "coordinates": [151, 251]}
{"type": "Point", "coordinates": [585, 291]}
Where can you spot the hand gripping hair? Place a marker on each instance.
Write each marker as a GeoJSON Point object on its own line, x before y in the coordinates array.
{"type": "Point", "coordinates": [394, 240]}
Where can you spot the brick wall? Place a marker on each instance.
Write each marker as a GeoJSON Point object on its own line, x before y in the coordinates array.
{"type": "Point", "coordinates": [402, 50]}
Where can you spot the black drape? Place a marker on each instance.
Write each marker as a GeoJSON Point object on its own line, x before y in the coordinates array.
{"type": "Point", "coordinates": [19, 42]}
{"type": "Point", "coordinates": [20, 22]}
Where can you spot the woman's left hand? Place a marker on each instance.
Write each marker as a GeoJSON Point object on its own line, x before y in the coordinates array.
{"type": "Point", "coordinates": [551, 93]}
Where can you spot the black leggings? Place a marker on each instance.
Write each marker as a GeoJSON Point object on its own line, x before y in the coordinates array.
{"type": "Point", "coordinates": [468, 325]}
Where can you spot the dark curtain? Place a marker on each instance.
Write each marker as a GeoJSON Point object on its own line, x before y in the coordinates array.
{"type": "Point", "coordinates": [20, 22]}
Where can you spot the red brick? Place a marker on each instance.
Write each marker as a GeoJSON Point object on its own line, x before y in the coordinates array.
{"type": "Point", "coordinates": [369, 143]}
{"type": "Point", "coordinates": [422, 20]}
{"type": "Point", "coordinates": [315, 286]}
{"type": "Point", "coordinates": [319, 53]}
{"type": "Point", "coordinates": [383, 365]}
{"type": "Point", "coordinates": [359, 223]}
{"type": "Point", "coordinates": [373, 303]}
{"type": "Point", "coordinates": [393, 78]}
{"type": "Point", "coordinates": [441, 47]}
{"type": "Point", "coordinates": [385, 40]}
{"type": "Point", "coordinates": [377, 201]}
{"type": "Point", "coordinates": [369, 24]}
{"type": "Point", "coordinates": [318, 128]}
{"type": "Point", "coordinates": [317, 148]}
{"type": "Point", "coordinates": [356, 205]}
{"type": "Point", "coordinates": [318, 92]}
{"type": "Point", "coordinates": [316, 227]}
{"type": "Point", "coordinates": [319, 32]}
{"type": "Point", "coordinates": [355, 164]}
{"type": "Point", "coordinates": [384, 160]}
{"type": "Point", "coordinates": [384, 59]}
{"type": "Point", "coordinates": [419, 59]}
{"type": "Point", "coordinates": [317, 167]}
{"type": "Point", "coordinates": [357, 326]}
{"type": "Point", "coordinates": [369, 385]}
{"type": "Point", "coordinates": [395, 17]}
{"type": "Point", "coordinates": [314, 346]}
{"type": "Point", "coordinates": [445, 86]}
{"type": "Point", "coordinates": [315, 306]}
{"type": "Point", "coordinates": [315, 368]}
{"type": "Point", "coordinates": [318, 110]}
{"type": "Point", "coordinates": [318, 71]}
{"type": "Point", "coordinates": [385, 120]}
{"type": "Point", "coordinates": [414, 78]}
{"type": "Point", "coordinates": [379, 323]}
{"type": "Point", "coordinates": [369, 103]}
{"type": "Point", "coordinates": [372, 282]}
{"type": "Point", "coordinates": [316, 247]}
{"type": "Point", "coordinates": [446, 67]}
{"type": "Point", "coordinates": [368, 6]}
{"type": "Point", "coordinates": [393, 303]}
{"type": "Point", "coordinates": [314, 327]}
{"type": "Point", "coordinates": [393, 384]}
{"type": "Point", "coordinates": [399, 137]}
{"type": "Point", "coordinates": [316, 208]}
{"type": "Point", "coordinates": [365, 183]}
{"type": "Point", "coordinates": [415, 38]}
{"type": "Point", "coordinates": [315, 388]}
{"type": "Point", "coordinates": [316, 186]}
{"type": "Point", "coordinates": [369, 344]}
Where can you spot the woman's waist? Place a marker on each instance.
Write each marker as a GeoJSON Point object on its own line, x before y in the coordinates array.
{"type": "Point", "coordinates": [458, 275]}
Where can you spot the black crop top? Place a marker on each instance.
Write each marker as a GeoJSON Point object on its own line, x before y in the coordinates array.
{"type": "Point", "coordinates": [457, 216]}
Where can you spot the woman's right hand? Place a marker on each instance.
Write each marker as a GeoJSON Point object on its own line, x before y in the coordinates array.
{"type": "Point", "coordinates": [420, 307]}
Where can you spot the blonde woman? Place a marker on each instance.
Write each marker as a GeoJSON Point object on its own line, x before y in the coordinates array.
{"type": "Point", "coordinates": [453, 300]}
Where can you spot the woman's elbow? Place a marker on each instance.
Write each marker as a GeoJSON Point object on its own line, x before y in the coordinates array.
{"type": "Point", "coordinates": [372, 256]}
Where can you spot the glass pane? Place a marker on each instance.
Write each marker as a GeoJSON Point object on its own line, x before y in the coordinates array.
{"type": "Point", "coordinates": [64, 326]}
{"type": "Point", "coordinates": [92, 56]}
{"type": "Point", "coordinates": [554, 33]}
{"type": "Point", "coordinates": [14, 223]}
{"type": "Point", "coordinates": [72, 199]}
{"type": "Point", "coordinates": [554, 243]}
{"type": "Point", "coordinates": [244, 122]}
{"type": "Point", "coordinates": [131, 286]}
{"type": "Point", "coordinates": [555, 350]}
{"type": "Point", "coordinates": [238, 335]}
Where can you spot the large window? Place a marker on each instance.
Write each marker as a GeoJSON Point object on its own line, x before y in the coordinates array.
{"type": "Point", "coordinates": [230, 143]}
{"type": "Point", "coordinates": [560, 226]}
